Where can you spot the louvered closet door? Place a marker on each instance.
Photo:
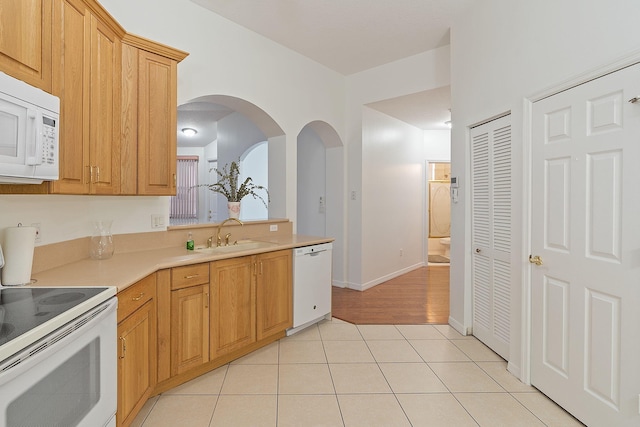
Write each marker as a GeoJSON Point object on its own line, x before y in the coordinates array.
{"type": "Point", "coordinates": [491, 232]}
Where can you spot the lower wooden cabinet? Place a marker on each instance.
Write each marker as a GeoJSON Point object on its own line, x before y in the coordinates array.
{"type": "Point", "coordinates": [137, 350]}
{"type": "Point", "coordinates": [233, 300]}
{"type": "Point", "coordinates": [211, 313]}
{"type": "Point", "coordinates": [189, 328]}
{"type": "Point", "coordinates": [274, 291]}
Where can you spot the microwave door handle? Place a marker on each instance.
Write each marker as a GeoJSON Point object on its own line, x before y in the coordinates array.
{"type": "Point", "coordinates": [34, 138]}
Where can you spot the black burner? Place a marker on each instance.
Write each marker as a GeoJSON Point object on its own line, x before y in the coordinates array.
{"type": "Point", "coordinates": [62, 298]}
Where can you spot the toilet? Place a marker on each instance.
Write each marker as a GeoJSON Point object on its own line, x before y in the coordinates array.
{"type": "Point", "coordinates": [445, 242]}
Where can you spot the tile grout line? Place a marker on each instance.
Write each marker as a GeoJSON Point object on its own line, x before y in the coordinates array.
{"type": "Point", "coordinates": [335, 392]}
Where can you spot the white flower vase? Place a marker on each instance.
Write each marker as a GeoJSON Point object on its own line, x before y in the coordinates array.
{"type": "Point", "coordinates": [234, 209]}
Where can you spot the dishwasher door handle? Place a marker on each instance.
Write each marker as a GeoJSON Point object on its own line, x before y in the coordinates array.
{"type": "Point", "coordinates": [316, 253]}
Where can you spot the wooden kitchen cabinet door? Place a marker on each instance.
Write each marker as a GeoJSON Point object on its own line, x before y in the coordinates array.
{"type": "Point", "coordinates": [25, 42]}
{"type": "Point", "coordinates": [136, 361]}
{"type": "Point", "coordinates": [104, 126]}
{"type": "Point", "coordinates": [157, 118]}
{"type": "Point", "coordinates": [149, 107]}
{"type": "Point", "coordinates": [232, 305]}
{"type": "Point", "coordinates": [274, 291]}
{"type": "Point", "coordinates": [189, 328]}
{"type": "Point", "coordinates": [72, 26]}
{"type": "Point", "coordinates": [87, 80]}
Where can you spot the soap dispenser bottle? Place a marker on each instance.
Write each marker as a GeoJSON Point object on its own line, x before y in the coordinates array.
{"type": "Point", "coordinates": [190, 244]}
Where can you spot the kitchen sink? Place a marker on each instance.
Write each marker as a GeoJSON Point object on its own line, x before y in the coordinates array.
{"type": "Point", "coordinates": [242, 245]}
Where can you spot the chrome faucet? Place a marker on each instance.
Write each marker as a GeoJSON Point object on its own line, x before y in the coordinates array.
{"type": "Point", "coordinates": [218, 238]}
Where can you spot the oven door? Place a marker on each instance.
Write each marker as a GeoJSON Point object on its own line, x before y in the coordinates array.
{"type": "Point", "coordinates": [66, 379]}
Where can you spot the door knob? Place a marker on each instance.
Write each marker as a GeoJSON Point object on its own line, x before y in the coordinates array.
{"type": "Point", "coordinates": [478, 250]}
{"type": "Point", "coordinates": [535, 260]}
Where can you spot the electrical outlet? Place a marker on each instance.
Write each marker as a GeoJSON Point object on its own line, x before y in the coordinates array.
{"type": "Point", "coordinates": [353, 195]}
{"type": "Point", "coordinates": [401, 252]}
{"type": "Point", "coordinates": [36, 225]}
{"type": "Point", "coordinates": [157, 221]}
{"type": "Point", "coordinates": [273, 227]}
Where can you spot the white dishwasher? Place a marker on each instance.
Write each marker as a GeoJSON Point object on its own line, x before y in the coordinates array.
{"type": "Point", "coordinates": [311, 285]}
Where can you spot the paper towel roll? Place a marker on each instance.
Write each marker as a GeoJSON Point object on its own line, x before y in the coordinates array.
{"type": "Point", "coordinates": [18, 255]}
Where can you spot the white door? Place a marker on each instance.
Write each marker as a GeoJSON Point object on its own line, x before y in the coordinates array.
{"type": "Point", "coordinates": [585, 296]}
{"type": "Point", "coordinates": [491, 233]}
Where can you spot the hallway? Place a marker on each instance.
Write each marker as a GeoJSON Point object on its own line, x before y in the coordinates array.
{"type": "Point", "coordinates": [418, 297]}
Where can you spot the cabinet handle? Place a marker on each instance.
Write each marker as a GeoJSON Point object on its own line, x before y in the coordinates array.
{"type": "Point", "coordinates": [123, 348]}
{"type": "Point", "coordinates": [139, 297]}
{"type": "Point", "coordinates": [261, 268]}
{"type": "Point", "coordinates": [175, 180]}
{"type": "Point", "coordinates": [97, 174]}
{"type": "Point", "coordinates": [89, 175]}
{"type": "Point", "coordinates": [191, 276]}
{"type": "Point", "coordinates": [206, 300]}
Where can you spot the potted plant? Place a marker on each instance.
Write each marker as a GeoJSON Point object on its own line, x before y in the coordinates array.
{"type": "Point", "coordinates": [227, 185]}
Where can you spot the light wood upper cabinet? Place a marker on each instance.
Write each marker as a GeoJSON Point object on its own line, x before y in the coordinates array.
{"type": "Point", "coordinates": [149, 106]}
{"type": "Point", "coordinates": [274, 291]}
{"type": "Point", "coordinates": [137, 350]}
{"type": "Point", "coordinates": [233, 301]}
{"type": "Point", "coordinates": [25, 41]}
{"type": "Point", "coordinates": [88, 84]}
{"type": "Point", "coordinates": [118, 95]}
{"type": "Point", "coordinates": [71, 85]}
{"type": "Point", "coordinates": [104, 126]}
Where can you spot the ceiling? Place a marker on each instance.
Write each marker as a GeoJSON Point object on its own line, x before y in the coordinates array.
{"type": "Point", "coordinates": [350, 36]}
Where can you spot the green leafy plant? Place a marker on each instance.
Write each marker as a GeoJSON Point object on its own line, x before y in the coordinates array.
{"type": "Point", "coordinates": [227, 185]}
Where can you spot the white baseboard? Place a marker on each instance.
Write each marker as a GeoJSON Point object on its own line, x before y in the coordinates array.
{"type": "Point", "coordinates": [459, 327]}
{"type": "Point", "coordinates": [515, 370]}
{"type": "Point", "coordinates": [379, 280]}
{"type": "Point", "coordinates": [338, 284]}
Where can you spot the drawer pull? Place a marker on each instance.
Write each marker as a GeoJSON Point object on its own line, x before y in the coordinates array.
{"type": "Point", "coordinates": [191, 276]}
{"type": "Point", "coordinates": [123, 348]}
{"type": "Point", "coordinates": [139, 297]}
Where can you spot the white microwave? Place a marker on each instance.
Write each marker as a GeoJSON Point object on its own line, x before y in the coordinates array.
{"type": "Point", "coordinates": [29, 128]}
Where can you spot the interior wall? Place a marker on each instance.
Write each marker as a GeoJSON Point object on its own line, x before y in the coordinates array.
{"type": "Point", "coordinates": [392, 197]}
{"type": "Point", "coordinates": [502, 52]}
{"type": "Point", "coordinates": [254, 164]}
{"type": "Point", "coordinates": [311, 177]}
{"type": "Point", "coordinates": [236, 134]}
{"type": "Point", "coordinates": [64, 218]}
{"type": "Point", "coordinates": [437, 145]}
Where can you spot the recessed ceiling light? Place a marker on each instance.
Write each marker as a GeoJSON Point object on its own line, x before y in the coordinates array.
{"type": "Point", "coordinates": [189, 131]}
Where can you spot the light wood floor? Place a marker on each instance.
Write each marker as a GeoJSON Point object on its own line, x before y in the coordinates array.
{"type": "Point", "coordinates": [420, 296]}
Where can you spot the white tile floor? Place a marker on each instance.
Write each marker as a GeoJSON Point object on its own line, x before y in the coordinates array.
{"type": "Point", "coordinates": [339, 374]}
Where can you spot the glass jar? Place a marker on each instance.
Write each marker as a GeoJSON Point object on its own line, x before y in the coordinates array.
{"type": "Point", "coordinates": [101, 244]}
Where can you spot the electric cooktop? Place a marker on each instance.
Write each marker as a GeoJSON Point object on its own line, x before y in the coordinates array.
{"type": "Point", "coordinates": [29, 313]}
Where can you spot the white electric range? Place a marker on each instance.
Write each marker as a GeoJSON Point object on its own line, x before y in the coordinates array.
{"type": "Point", "coordinates": [58, 356]}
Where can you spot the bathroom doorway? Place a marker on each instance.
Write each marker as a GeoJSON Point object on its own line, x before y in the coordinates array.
{"type": "Point", "coordinates": [439, 212]}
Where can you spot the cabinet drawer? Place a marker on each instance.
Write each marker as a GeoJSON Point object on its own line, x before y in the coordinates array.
{"type": "Point", "coordinates": [189, 275]}
{"type": "Point", "coordinates": [135, 296]}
